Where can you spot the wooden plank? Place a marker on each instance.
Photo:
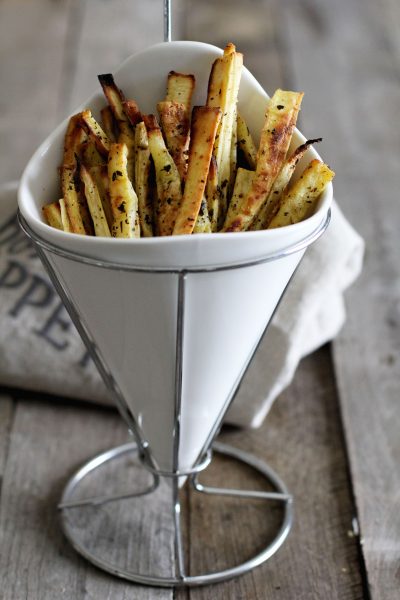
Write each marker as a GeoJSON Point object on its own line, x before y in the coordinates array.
{"type": "Point", "coordinates": [48, 443]}
{"type": "Point", "coordinates": [302, 441]}
{"type": "Point", "coordinates": [7, 409]}
{"type": "Point", "coordinates": [32, 36]}
{"type": "Point", "coordinates": [345, 59]}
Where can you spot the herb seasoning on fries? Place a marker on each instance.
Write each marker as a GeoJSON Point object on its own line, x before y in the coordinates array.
{"type": "Point", "coordinates": [190, 171]}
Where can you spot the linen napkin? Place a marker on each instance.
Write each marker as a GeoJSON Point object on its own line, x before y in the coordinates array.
{"type": "Point", "coordinates": [40, 349]}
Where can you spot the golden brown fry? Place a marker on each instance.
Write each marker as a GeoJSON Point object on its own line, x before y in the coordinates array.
{"type": "Point", "coordinates": [95, 132]}
{"type": "Point", "coordinates": [100, 177]}
{"type": "Point", "coordinates": [277, 132]}
{"type": "Point", "coordinates": [243, 181]}
{"type": "Point", "coordinates": [90, 156]}
{"type": "Point", "coordinates": [71, 199]}
{"type": "Point", "coordinates": [108, 122]}
{"type": "Point", "coordinates": [271, 206]}
{"type": "Point", "coordinates": [205, 121]}
{"type": "Point", "coordinates": [213, 194]}
{"type": "Point", "coordinates": [74, 137]}
{"type": "Point", "coordinates": [245, 142]}
{"type": "Point", "coordinates": [52, 215]}
{"type": "Point", "coordinates": [202, 224]}
{"type": "Point", "coordinates": [94, 203]}
{"type": "Point", "coordinates": [180, 87]}
{"type": "Point", "coordinates": [167, 178]}
{"type": "Point", "coordinates": [116, 99]}
{"type": "Point", "coordinates": [142, 174]}
{"type": "Point", "coordinates": [64, 217]}
{"type": "Point", "coordinates": [132, 112]}
{"type": "Point", "coordinates": [299, 201]}
{"type": "Point", "coordinates": [176, 129]}
{"type": "Point", "coordinates": [124, 202]}
{"type": "Point", "coordinates": [223, 90]}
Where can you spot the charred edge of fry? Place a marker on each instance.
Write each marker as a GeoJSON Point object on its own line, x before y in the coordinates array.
{"type": "Point", "coordinates": [151, 122]}
{"type": "Point", "coordinates": [96, 133]}
{"type": "Point", "coordinates": [106, 80]}
{"type": "Point", "coordinates": [185, 75]}
{"type": "Point", "coordinates": [132, 112]}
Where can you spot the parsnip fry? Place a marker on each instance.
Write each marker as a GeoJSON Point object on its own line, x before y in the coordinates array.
{"type": "Point", "coordinates": [95, 132]}
{"type": "Point", "coordinates": [142, 174]}
{"type": "Point", "coordinates": [108, 122]}
{"type": "Point", "coordinates": [167, 178]}
{"type": "Point", "coordinates": [176, 129]}
{"type": "Point", "coordinates": [243, 181]}
{"type": "Point", "coordinates": [71, 199]}
{"type": "Point", "coordinates": [64, 216]}
{"type": "Point", "coordinates": [116, 99]}
{"type": "Point", "coordinates": [52, 215]}
{"type": "Point", "coordinates": [91, 157]}
{"type": "Point", "coordinates": [74, 137]}
{"type": "Point", "coordinates": [271, 206]}
{"type": "Point", "coordinates": [245, 142]}
{"type": "Point", "coordinates": [300, 199]}
{"type": "Point", "coordinates": [124, 202]}
{"type": "Point", "coordinates": [132, 112]}
{"type": "Point", "coordinates": [222, 92]}
{"type": "Point", "coordinates": [202, 224]}
{"type": "Point", "coordinates": [277, 132]}
{"type": "Point", "coordinates": [205, 121]}
{"type": "Point", "coordinates": [213, 194]}
{"type": "Point", "coordinates": [180, 87]}
{"type": "Point", "coordinates": [233, 155]}
{"type": "Point", "coordinates": [94, 203]}
{"type": "Point", "coordinates": [100, 177]}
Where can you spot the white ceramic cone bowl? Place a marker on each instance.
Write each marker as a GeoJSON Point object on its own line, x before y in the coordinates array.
{"type": "Point", "coordinates": [132, 316]}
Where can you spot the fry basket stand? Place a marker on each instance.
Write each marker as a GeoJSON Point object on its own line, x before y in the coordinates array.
{"type": "Point", "coordinates": [76, 509]}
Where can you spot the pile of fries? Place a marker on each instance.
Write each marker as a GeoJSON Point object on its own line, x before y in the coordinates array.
{"type": "Point", "coordinates": [191, 171]}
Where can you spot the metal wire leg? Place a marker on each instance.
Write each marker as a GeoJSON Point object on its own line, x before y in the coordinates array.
{"type": "Point", "coordinates": [237, 493]}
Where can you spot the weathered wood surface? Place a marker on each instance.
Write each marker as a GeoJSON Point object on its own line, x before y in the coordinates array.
{"type": "Point", "coordinates": [345, 56]}
{"type": "Point", "coordinates": [357, 45]}
{"type": "Point", "coordinates": [302, 441]}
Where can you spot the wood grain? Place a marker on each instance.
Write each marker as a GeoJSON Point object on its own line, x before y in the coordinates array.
{"type": "Point", "coordinates": [47, 444]}
{"type": "Point", "coordinates": [32, 38]}
{"type": "Point", "coordinates": [302, 440]}
{"type": "Point", "coordinates": [7, 410]}
{"type": "Point", "coordinates": [352, 94]}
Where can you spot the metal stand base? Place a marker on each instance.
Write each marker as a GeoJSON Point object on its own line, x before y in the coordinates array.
{"type": "Point", "coordinates": [135, 533]}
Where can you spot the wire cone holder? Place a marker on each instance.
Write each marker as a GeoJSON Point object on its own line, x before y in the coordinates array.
{"type": "Point", "coordinates": [174, 435]}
